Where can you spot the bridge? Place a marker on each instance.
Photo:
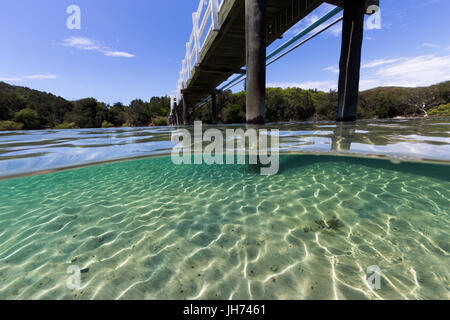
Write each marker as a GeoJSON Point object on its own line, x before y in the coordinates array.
{"type": "Point", "coordinates": [238, 35]}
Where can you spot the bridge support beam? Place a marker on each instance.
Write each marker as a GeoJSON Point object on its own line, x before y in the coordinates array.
{"type": "Point", "coordinates": [255, 37]}
{"type": "Point", "coordinates": [350, 63]}
{"type": "Point", "coordinates": [213, 108]}
{"type": "Point", "coordinates": [185, 110]}
{"type": "Point", "coordinates": [177, 121]}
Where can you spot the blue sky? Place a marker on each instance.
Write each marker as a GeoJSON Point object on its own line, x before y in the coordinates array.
{"type": "Point", "coordinates": [129, 49]}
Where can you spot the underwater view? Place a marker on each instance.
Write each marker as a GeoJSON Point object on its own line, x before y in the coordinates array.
{"type": "Point", "coordinates": [347, 199]}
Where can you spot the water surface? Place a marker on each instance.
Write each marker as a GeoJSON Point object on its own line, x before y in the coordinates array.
{"type": "Point", "coordinates": [148, 229]}
{"type": "Point", "coordinates": [30, 151]}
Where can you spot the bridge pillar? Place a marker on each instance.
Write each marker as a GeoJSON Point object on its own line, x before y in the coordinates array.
{"type": "Point", "coordinates": [177, 121]}
{"type": "Point", "coordinates": [213, 108]}
{"type": "Point", "coordinates": [185, 110]}
{"type": "Point", "coordinates": [255, 38]}
{"type": "Point", "coordinates": [350, 63]}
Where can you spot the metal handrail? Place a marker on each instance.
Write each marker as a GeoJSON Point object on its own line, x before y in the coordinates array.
{"type": "Point", "coordinates": [273, 55]}
{"type": "Point", "coordinates": [200, 19]}
{"type": "Point", "coordinates": [185, 73]}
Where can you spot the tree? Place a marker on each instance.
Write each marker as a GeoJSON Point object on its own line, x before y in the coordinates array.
{"type": "Point", "coordinates": [117, 114]}
{"type": "Point", "coordinates": [32, 109]}
{"type": "Point", "coordinates": [29, 119]}
{"type": "Point", "coordinates": [10, 125]}
{"type": "Point", "coordinates": [106, 124]}
{"type": "Point", "coordinates": [84, 113]}
{"type": "Point", "coordinates": [327, 105]}
{"type": "Point", "coordinates": [233, 113]}
{"type": "Point", "coordinates": [443, 111]}
{"type": "Point", "coordinates": [138, 113]}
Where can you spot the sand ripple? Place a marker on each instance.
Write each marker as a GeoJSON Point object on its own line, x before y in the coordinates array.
{"type": "Point", "coordinates": [147, 229]}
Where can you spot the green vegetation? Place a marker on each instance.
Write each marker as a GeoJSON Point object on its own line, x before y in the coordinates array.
{"type": "Point", "coordinates": [160, 121]}
{"type": "Point", "coordinates": [106, 124]}
{"type": "Point", "coordinates": [442, 111]}
{"type": "Point", "coordinates": [66, 125]}
{"type": "Point", "coordinates": [294, 104]}
{"type": "Point", "coordinates": [23, 108]}
{"type": "Point", "coordinates": [28, 117]}
{"type": "Point", "coordinates": [10, 126]}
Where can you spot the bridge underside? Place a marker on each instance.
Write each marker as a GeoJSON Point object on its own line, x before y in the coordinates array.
{"type": "Point", "coordinates": [223, 53]}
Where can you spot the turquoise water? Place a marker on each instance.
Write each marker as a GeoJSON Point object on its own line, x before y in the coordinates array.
{"type": "Point", "coordinates": [148, 229]}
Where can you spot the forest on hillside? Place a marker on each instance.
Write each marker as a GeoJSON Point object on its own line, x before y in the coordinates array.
{"type": "Point", "coordinates": [23, 108]}
{"type": "Point", "coordinates": [295, 104]}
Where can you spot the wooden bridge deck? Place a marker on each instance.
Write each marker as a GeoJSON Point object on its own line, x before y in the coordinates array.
{"type": "Point", "coordinates": [223, 52]}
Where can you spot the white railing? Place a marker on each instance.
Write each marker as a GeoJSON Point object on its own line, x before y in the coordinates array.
{"type": "Point", "coordinates": [200, 20]}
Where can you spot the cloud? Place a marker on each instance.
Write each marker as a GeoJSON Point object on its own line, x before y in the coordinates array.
{"type": "Point", "coordinates": [336, 30]}
{"type": "Point", "coordinates": [41, 77]}
{"type": "Point", "coordinates": [118, 54]}
{"type": "Point", "coordinates": [396, 72]}
{"type": "Point", "coordinates": [313, 17]}
{"type": "Point", "coordinates": [429, 2]}
{"type": "Point", "coordinates": [431, 45]}
{"type": "Point", "coordinates": [319, 85]}
{"type": "Point", "coordinates": [30, 77]}
{"type": "Point", "coordinates": [334, 69]}
{"type": "Point", "coordinates": [371, 64]}
{"type": "Point", "coordinates": [92, 45]}
{"type": "Point", "coordinates": [413, 71]}
{"type": "Point", "coordinates": [11, 79]}
{"type": "Point", "coordinates": [80, 43]}
{"type": "Point", "coordinates": [378, 62]}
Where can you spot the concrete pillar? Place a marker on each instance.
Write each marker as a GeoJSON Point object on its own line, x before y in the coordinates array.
{"type": "Point", "coordinates": [350, 63]}
{"type": "Point", "coordinates": [185, 110]}
{"type": "Point", "coordinates": [255, 35]}
{"type": "Point", "coordinates": [213, 108]}
{"type": "Point", "coordinates": [176, 115]}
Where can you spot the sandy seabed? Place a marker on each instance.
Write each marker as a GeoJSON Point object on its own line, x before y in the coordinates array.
{"type": "Point", "coordinates": [148, 229]}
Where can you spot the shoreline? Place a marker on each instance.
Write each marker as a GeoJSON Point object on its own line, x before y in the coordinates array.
{"type": "Point", "coordinates": [238, 124]}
